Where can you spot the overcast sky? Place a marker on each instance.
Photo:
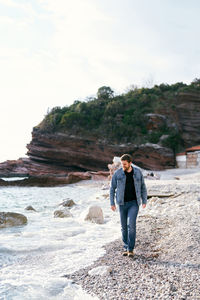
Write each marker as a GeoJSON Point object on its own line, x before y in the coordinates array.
{"type": "Point", "coordinates": [53, 52]}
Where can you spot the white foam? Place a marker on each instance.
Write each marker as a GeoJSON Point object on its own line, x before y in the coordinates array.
{"type": "Point", "coordinates": [36, 256]}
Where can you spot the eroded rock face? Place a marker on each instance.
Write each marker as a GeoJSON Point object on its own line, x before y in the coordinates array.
{"type": "Point", "coordinates": [77, 153]}
{"type": "Point", "coordinates": [10, 219]}
{"type": "Point", "coordinates": [54, 167]}
{"type": "Point", "coordinates": [92, 155]}
{"type": "Point", "coordinates": [188, 116]}
{"type": "Point", "coordinates": [153, 157]}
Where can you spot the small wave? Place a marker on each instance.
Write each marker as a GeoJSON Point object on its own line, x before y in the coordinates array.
{"type": "Point", "coordinates": [13, 178]}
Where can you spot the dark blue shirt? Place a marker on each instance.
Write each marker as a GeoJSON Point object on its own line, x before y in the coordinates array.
{"type": "Point", "coordinates": [129, 193]}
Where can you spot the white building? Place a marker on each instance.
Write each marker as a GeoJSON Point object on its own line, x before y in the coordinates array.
{"type": "Point", "coordinates": [189, 159]}
{"type": "Point", "coordinates": [181, 160]}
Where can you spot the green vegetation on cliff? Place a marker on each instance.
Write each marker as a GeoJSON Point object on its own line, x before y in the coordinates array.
{"type": "Point", "coordinates": [125, 118]}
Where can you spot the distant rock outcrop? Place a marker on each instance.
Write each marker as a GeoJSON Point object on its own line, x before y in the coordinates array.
{"type": "Point", "coordinates": [54, 154]}
{"type": "Point", "coordinates": [44, 180]}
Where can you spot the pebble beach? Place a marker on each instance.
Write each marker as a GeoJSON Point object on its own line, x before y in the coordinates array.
{"type": "Point", "coordinates": [166, 264]}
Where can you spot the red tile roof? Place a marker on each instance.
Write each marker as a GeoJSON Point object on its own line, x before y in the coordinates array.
{"type": "Point", "coordinates": [195, 148]}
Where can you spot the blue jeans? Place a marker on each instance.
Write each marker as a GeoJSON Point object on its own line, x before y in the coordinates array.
{"type": "Point", "coordinates": [128, 214]}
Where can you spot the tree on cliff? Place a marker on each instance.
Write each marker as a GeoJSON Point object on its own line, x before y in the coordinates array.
{"type": "Point", "coordinates": [196, 82]}
{"type": "Point", "coordinates": [104, 92]}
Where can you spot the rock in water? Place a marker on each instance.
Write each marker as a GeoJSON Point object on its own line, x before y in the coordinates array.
{"type": "Point", "coordinates": [30, 208]}
{"type": "Point", "coordinates": [68, 203]}
{"type": "Point", "coordinates": [9, 219]}
{"type": "Point", "coordinates": [95, 215]}
{"type": "Point", "coordinates": [65, 213]}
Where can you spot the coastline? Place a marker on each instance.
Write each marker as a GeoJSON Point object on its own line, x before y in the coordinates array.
{"type": "Point", "coordinates": [166, 264]}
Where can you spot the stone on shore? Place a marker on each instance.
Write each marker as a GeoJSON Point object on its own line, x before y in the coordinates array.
{"type": "Point", "coordinates": [95, 215]}
{"type": "Point", "coordinates": [100, 271]}
{"type": "Point", "coordinates": [10, 219]}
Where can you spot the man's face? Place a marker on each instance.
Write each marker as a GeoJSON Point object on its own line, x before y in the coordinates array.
{"type": "Point", "coordinates": [125, 165]}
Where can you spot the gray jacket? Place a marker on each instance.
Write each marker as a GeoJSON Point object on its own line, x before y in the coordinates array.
{"type": "Point", "coordinates": [117, 187]}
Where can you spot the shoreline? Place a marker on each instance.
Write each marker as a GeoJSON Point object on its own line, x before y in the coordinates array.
{"type": "Point", "coordinates": [141, 277]}
{"type": "Point", "coordinates": [166, 264]}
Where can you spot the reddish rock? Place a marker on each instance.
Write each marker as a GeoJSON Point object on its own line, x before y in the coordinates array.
{"type": "Point", "coordinates": [153, 157]}
{"type": "Point", "coordinates": [74, 177]}
{"type": "Point", "coordinates": [93, 155]}
{"type": "Point", "coordinates": [77, 153]}
{"type": "Point", "coordinates": [58, 155]}
{"type": "Point", "coordinates": [26, 167]}
{"type": "Point", "coordinates": [43, 181]}
{"type": "Point", "coordinates": [100, 175]}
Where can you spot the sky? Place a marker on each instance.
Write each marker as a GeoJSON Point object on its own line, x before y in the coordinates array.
{"type": "Point", "coordinates": [55, 52]}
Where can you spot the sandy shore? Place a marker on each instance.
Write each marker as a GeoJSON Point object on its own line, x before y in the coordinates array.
{"type": "Point", "coordinates": [166, 264]}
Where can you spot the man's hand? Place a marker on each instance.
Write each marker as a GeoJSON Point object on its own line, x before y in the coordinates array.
{"type": "Point", "coordinates": [113, 207]}
{"type": "Point", "coordinates": [144, 205]}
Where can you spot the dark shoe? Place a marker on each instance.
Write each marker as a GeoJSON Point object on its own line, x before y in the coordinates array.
{"type": "Point", "coordinates": [130, 253]}
{"type": "Point", "coordinates": [125, 253]}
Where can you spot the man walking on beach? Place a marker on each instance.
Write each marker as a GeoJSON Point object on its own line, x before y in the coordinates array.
{"type": "Point", "coordinates": [129, 188]}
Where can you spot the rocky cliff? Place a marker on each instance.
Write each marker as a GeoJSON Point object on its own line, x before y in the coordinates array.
{"type": "Point", "coordinates": [82, 154]}
{"type": "Point", "coordinates": [59, 159]}
{"type": "Point", "coordinates": [57, 152]}
{"type": "Point", "coordinates": [187, 117]}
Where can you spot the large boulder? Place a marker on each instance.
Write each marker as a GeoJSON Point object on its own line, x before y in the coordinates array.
{"type": "Point", "coordinates": [9, 219]}
{"type": "Point", "coordinates": [95, 215]}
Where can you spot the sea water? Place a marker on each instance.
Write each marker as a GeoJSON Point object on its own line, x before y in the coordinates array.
{"type": "Point", "coordinates": [35, 257]}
